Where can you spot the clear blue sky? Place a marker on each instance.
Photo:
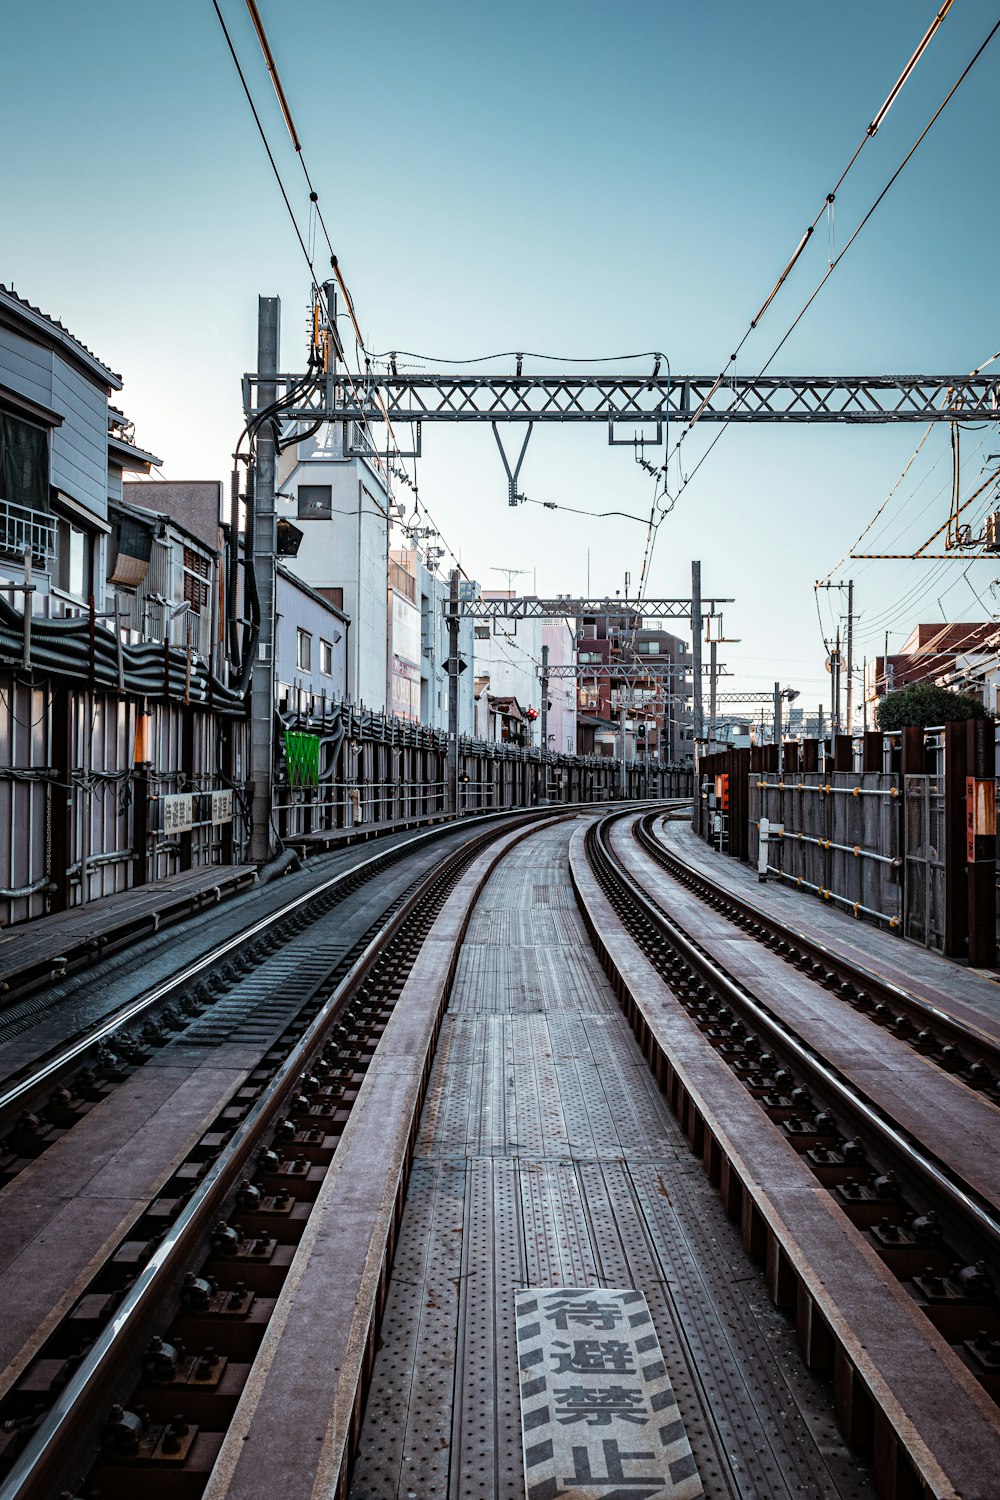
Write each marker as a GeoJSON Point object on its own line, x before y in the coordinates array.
{"type": "Point", "coordinates": [564, 176]}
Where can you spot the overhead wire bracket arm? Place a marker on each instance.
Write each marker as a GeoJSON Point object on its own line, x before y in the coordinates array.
{"type": "Point", "coordinates": [512, 496]}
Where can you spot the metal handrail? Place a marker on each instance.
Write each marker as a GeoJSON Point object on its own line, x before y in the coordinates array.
{"type": "Point", "coordinates": [23, 529]}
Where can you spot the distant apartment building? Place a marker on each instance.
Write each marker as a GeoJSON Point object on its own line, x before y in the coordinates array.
{"type": "Point", "coordinates": [644, 670]}
{"type": "Point", "coordinates": [963, 656]}
{"type": "Point", "coordinates": [508, 658]}
{"type": "Point", "coordinates": [338, 497]}
{"type": "Point", "coordinates": [433, 592]}
{"type": "Point", "coordinates": [560, 638]}
{"type": "Point", "coordinates": [404, 644]}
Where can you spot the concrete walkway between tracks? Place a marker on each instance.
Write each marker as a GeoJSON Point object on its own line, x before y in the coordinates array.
{"type": "Point", "coordinates": [547, 1157]}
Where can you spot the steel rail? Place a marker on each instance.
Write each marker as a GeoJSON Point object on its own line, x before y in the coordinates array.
{"type": "Point", "coordinates": [38, 1466]}
{"type": "Point", "coordinates": [940, 1181]}
{"type": "Point", "coordinates": [61, 1432]}
{"type": "Point", "coordinates": [17, 1093]}
{"type": "Point", "coordinates": [953, 1031]}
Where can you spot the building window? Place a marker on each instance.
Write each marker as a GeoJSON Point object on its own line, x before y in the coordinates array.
{"type": "Point", "coordinates": [326, 658]}
{"type": "Point", "coordinates": [196, 574]}
{"type": "Point", "coordinates": [24, 463]}
{"type": "Point", "coordinates": [75, 560]}
{"type": "Point", "coordinates": [315, 502]}
{"type": "Point", "coordinates": [648, 648]}
{"type": "Point", "coordinates": [590, 658]}
{"type": "Point", "coordinates": [303, 650]}
{"type": "Point", "coordinates": [482, 632]}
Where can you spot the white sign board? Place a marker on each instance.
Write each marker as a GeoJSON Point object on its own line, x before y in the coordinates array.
{"type": "Point", "coordinates": [178, 813]}
{"type": "Point", "coordinates": [598, 1415]}
{"type": "Point", "coordinates": [222, 808]}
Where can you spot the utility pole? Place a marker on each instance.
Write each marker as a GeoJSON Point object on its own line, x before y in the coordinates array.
{"type": "Point", "coordinates": [453, 667]}
{"type": "Point", "coordinates": [263, 562]}
{"type": "Point", "coordinates": [835, 661]}
{"type": "Point", "coordinates": [543, 723]}
{"type": "Point", "coordinates": [850, 655]}
{"type": "Point", "coordinates": [777, 726]}
{"type": "Point", "coordinates": [623, 778]}
{"type": "Point", "coordinates": [698, 726]}
{"type": "Point", "coordinates": [712, 681]}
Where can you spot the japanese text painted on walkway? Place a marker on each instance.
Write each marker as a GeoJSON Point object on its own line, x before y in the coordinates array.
{"type": "Point", "coordinates": [598, 1416]}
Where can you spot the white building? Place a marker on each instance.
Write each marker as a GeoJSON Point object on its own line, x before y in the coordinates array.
{"type": "Point", "coordinates": [508, 659]}
{"type": "Point", "coordinates": [404, 643]}
{"type": "Point", "coordinates": [560, 637]}
{"type": "Point", "coordinates": [342, 506]}
{"type": "Point", "coordinates": [311, 647]}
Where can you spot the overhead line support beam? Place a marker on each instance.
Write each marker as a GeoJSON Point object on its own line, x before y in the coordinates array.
{"type": "Point", "coordinates": [438, 397]}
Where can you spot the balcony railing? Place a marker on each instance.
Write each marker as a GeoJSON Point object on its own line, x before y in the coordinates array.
{"type": "Point", "coordinates": [24, 530]}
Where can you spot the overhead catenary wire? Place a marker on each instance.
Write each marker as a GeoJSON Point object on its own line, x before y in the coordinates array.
{"type": "Point", "coordinates": [597, 515]}
{"type": "Point", "coordinates": [315, 208]}
{"type": "Point", "coordinates": [481, 359]}
{"type": "Point", "coordinates": [686, 480]}
{"type": "Point", "coordinates": [826, 205]}
{"type": "Point", "coordinates": [870, 625]}
{"type": "Point", "coordinates": [263, 135]}
{"type": "Point", "coordinates": [901, 529]}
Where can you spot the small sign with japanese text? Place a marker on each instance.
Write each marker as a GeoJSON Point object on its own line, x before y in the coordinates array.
{"type": "Point", "coordinates": [222, 808]}
{"type": "Point", "coordinates": [598, 1416]}
{"type": "Point", "coordinates": [178, 813]}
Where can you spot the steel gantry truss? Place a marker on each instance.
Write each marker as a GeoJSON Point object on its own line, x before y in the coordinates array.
{"type": "Point", "coordinates": [655, 671]}
{"type": "Point", "coordinates": [789, 693]}
{"type": "Point", "coordinates": [654, 398]}
{"type": "Point", "coordinates": [527, 608]}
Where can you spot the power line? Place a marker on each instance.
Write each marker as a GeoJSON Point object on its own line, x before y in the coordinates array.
{"type": "Point", "coordinates": [562, 359]}
{"type": "Point", "coordinates": [835, 262]}
{"type": "Point", "coordinates": [826, 207]}
{"type": "Point", "coordinates": [285, 108]}
{"type": "Point", "coordinates": [263, 136]}
{"type": "Point", "coordinates": [597, 515]}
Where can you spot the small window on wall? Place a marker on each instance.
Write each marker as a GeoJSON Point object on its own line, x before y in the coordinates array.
{"type": "Point", "coordinates": [303, 650]}
{"type": "Point", "coordinates": [315, 502]}
{"type": "Point", "coordinates": [326, 658]}
{"type": "Point", "coordinates": [196, 574]}
{"type": "Point", "coordinates": [24, 462]}
{"type": "Point", "coordinates": [75, 560]}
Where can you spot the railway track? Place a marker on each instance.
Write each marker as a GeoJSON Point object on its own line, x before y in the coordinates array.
{"type": "Point", "coordinates": [958, 1047]}
{"type": "Point", "coordinates": [49, 1095]}
{"type": "Point", "coordinates": [138, 1382]}
{"type": "Point", "coordinates": [927, 1222]}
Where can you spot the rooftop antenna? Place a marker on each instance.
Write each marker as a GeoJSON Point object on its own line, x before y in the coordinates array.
{"type": "Point", "coordinates": [510, 574]}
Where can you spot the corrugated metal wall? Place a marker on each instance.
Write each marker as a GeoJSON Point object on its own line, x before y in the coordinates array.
{"type": "Point", "coordinates": [90, 786]}
{"type": "Point", "coordinates": [841, 835]}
